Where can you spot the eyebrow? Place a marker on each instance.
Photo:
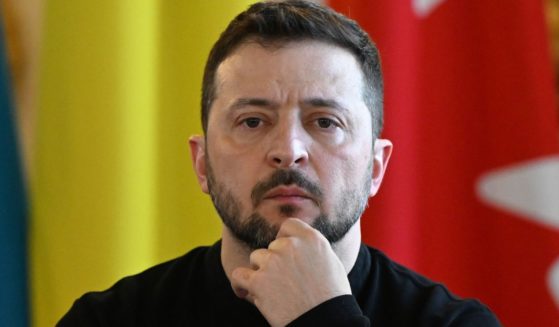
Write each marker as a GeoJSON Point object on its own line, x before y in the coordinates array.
{"type": "Point", "coordinates": [256, 102]}
{"type": "Point", "coordinates": [265, 103]}
{"type": "Point", "coordinates": [322, 102]}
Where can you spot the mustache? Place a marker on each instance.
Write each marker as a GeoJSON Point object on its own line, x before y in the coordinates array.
{"type": "Point", "coordinates": [286, 177]}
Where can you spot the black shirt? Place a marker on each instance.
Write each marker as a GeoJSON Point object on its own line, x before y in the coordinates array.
{"type": "Point", "coordinates": [193, 290]}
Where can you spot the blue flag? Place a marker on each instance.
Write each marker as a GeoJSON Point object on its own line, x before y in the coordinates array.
{"type": "Point", "coordinates": [13, 241]}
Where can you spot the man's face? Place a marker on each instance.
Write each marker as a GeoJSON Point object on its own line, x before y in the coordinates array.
{"type": "Point", "coordinates": [289, 135]}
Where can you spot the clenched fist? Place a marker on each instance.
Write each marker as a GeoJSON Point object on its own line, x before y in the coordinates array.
{"type": "Point", "coordinates": [298, 271]}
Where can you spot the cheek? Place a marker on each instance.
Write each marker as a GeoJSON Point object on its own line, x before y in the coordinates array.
{"type": "Point", "coordinates": [234, 169]}
{"type": "Point", "coordinates": [343, 168]}
{"type": "Point", "coordinates": [231, 172]}
{"type": "Point", "coordinates": [230, 148]}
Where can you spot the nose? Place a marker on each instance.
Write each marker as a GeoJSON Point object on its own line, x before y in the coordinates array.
{"type": "Point", "coordinates": [288, 146]}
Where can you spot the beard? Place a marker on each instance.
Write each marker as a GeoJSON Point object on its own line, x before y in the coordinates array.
{"type": "Point", "coordinates": [256, 232]}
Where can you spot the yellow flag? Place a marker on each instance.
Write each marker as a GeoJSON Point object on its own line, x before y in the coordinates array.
{"type": "Point", "coordinates": [113, 190]}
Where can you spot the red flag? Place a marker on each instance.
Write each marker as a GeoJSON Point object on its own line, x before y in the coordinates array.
{"type": "Point", "coordinates": [471, 197]}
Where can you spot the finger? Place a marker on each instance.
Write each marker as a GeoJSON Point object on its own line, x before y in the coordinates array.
{"type": "Point", "coordinates": [240, 281]}
{"type": "Point", "coordinates": [281, 243]}
{"type": "Point", "coordinates": [258, 258]}
{"type": "Point", "coordinates": [293, 227]}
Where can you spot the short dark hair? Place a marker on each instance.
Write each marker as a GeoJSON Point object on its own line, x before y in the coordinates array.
{"type": "Point", "coordinates": [278, 22]}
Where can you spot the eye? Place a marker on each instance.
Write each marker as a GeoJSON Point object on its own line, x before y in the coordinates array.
{"type": "Point", "coordinates": [325, 123]}
{"type": "Point", "coordinates": [252, 122]}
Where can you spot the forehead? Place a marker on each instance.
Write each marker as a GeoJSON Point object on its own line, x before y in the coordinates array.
{"type": "Point", "coordinates": [306, 66]}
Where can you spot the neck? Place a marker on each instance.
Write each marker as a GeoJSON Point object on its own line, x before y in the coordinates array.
{"type": "Point", "coordinates": [235, 253]}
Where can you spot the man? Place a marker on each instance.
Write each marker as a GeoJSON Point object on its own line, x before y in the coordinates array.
{"type": "Point", "coordinates": [292, 113]}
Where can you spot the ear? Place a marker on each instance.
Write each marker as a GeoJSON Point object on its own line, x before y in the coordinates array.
{"type": "Point", "coordinates": [381, 154]}
{"type": "Point", "coordinates": [198, 153]}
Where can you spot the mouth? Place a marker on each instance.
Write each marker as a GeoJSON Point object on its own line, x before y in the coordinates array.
{"type": "Point", "coordinates": [290, 187]}
{"type": "Point", "coordinates": [288, 194]}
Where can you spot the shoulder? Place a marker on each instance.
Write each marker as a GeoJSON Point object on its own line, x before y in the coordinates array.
{"type": "Point", "coordinates": [423, 300]}
{"type": "Point", "coordinates": [124, 303]}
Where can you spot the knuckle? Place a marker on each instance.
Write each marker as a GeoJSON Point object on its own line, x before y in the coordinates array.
{"type": "Point", "coordinates": [313, 235]}
{"type": "Point", "coordinates": [288, 243]}
{"type": "Point", "coordinates": [258, 256]}
{"type": "Point", "coordinates": [282, 243]}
